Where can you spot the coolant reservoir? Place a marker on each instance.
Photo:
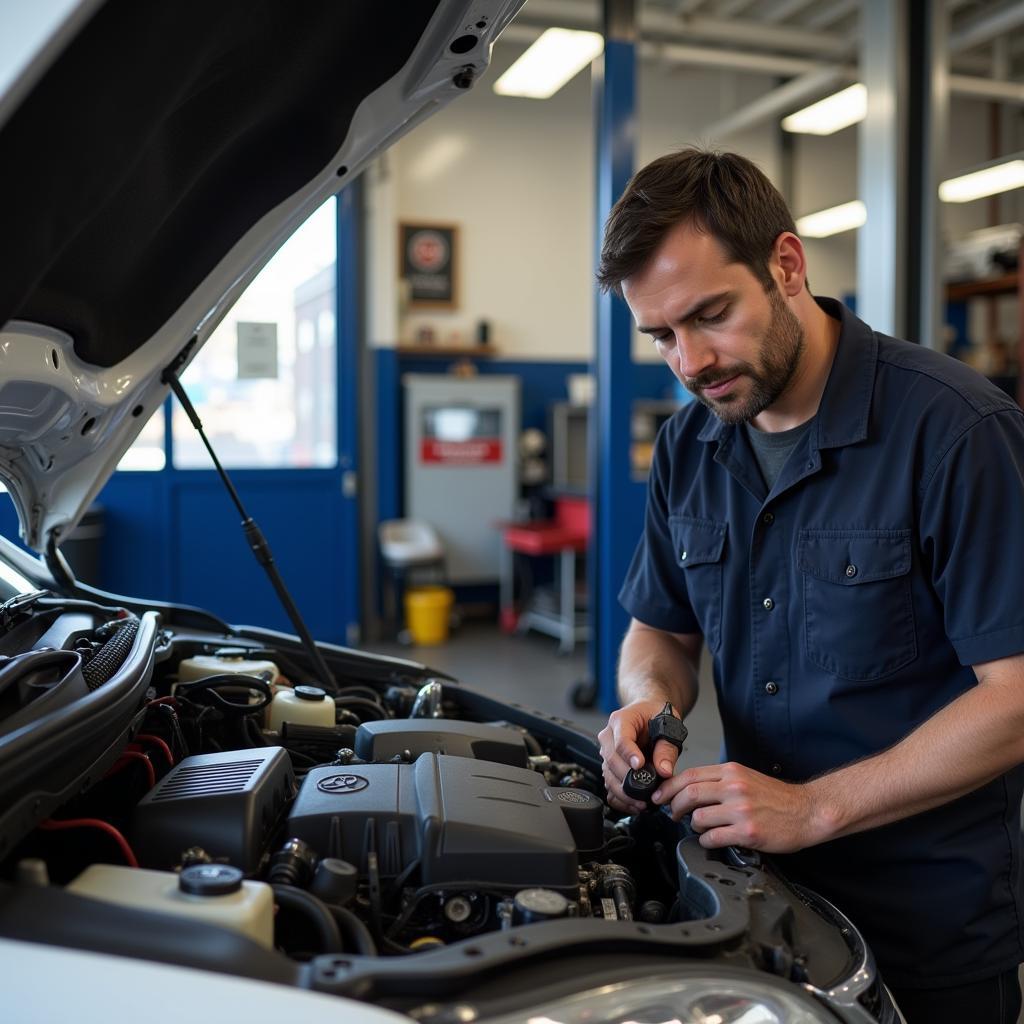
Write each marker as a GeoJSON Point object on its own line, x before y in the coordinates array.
{"type": "Point", "coordinates": [216, 893]}
{"type": "Point", "coordinates": [203, 665]}
{"type": "Point", "coordinates": [304, 705]}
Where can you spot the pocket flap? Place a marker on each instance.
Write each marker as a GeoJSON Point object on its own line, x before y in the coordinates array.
{"type": "Point", "coordinates": [697, 541]}
{"type": "Point", "coordinates": [852, 557]}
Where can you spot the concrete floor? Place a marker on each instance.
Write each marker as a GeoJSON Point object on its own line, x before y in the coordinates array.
{"type": "Point", "coordinates": [530, 671]}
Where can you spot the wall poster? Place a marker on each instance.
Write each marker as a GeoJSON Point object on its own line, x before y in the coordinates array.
{"type": "Point", "coordinates": [428, 264]}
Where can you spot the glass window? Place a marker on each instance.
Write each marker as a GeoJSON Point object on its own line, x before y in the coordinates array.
{"type": "Point", "coordinates": [263, 384]}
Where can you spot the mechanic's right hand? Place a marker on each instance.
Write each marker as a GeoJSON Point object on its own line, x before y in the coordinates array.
{"type": "Point", "coordinates": [623, 741]}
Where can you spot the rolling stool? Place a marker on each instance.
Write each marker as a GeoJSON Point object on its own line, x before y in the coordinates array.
{"type": "Point", "coordinates": [408, 548]}
{"type": "Point", "coordinates": [563, 538]}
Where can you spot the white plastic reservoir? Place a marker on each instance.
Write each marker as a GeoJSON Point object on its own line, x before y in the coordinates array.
{"type": "Point", "coordinates": [303, 705]}
{"type": "Point", "coordinates": [203, 665]}
{"type": "Point", "coordinates": [219, 895]}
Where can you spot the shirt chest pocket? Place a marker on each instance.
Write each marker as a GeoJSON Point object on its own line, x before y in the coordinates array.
{"type": "Point", "coordinates": [858, 606]}
{"type": "Point", "coordinates": [699, 548]}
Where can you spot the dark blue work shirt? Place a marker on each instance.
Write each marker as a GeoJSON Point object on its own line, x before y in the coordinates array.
{"type": "Point", "coordinates": [845, 607]}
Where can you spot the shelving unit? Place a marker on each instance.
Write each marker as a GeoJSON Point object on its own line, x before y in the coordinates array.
{"type": "Point", "coordinates": [448, 351]}
{"type": "Point", "coordinates": [991, 288]}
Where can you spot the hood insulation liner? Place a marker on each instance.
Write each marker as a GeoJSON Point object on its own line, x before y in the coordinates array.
{"type": "Point", "coordinates": [187, 121]}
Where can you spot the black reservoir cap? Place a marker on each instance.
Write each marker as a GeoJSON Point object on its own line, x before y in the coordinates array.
{"type": "Point", "coordinates": [310, 693]}
{"type": "Point", "coordinates": [210, 880]}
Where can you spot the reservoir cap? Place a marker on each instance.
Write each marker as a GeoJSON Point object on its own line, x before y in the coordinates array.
{"type": "Point", "coordinates": [211, 880]}
{"type": "Point", "coordinates": [310, 693]}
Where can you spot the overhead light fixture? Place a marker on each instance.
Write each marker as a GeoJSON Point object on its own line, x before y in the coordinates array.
{"type": "Point", "coordinates": [998, 176]}
{"type": "Point", "coordinates": [839, 110]}
{"type": "Point", "coordinates": [833, 220]}
{"type": "Point", "coordinates": [558, 55]}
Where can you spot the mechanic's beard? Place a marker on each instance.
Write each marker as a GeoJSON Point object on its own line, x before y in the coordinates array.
{"type": "Point", "coordinates": [781, 349]}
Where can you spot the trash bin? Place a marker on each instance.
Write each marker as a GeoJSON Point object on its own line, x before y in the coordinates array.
{"type": "Point", "coordinates": [427, 612]}
{"type": "Point", "coordinates": [83, 547]}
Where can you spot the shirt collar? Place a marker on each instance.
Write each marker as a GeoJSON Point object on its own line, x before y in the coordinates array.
{"type": "Point", "coordinates": [846, 402]}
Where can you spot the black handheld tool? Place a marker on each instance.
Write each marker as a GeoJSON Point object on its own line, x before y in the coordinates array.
{"type": "Point", "coordinates": [640, 783]}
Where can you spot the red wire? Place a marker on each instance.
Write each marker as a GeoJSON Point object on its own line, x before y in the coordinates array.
{"type": "Point", "coordinates": [148, 737]}
{"type": "Point", "coordinates": [135, 755]}
{"type": "Point", "coordinates": [49, 825]}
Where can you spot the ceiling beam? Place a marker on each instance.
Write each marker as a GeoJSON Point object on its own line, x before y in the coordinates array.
{"type": "Point", "coordinates": [987, 26]}
{"type": "Point", "coordinates": [987, 89]}
{"type": "Point", "coordinates": [815, 84]}
{"type": "Point", "coordinates": [735, 60]}
{"type": "Point", "coordinates": [784, 10]}
{"type": "Point", "coordinates": [782, 100]}
{"type": "Point", "coordinates": [695, 56]}
{"type": "Point", "coordinates": [730, 8]}
{"type": "Point", "coordinates": [662, 24]}
{"type": "Point", "coordinates": [825, 16]}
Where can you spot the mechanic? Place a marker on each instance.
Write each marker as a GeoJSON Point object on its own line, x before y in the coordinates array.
{"type": "Point", "coordinates": [839, 519]}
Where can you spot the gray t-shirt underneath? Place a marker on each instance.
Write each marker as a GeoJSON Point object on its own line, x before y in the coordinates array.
{"type": "Point", "coordinates": [772, 450]}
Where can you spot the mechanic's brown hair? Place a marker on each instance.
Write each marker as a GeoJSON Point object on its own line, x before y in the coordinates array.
{"type": "Point", "coordinates": [723, 194]}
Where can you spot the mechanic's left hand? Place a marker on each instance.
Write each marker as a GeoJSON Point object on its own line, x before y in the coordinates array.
{"type": "Point", "coordinates": [735, 806]}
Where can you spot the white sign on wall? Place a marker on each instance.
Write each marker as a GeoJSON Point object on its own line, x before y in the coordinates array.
{"type": "Point", "coordinates": [257, 351]}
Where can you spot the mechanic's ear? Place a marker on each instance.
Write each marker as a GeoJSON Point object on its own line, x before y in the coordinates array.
{"type": "Point", "coordinates": [790, 263]}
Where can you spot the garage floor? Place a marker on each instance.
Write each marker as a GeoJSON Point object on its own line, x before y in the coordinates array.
{"type": "Point", "coordinates": [528, 670]}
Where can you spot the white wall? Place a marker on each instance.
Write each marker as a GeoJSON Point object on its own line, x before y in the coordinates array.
{"type": "Point", "coordinates": [517, 177]}
{"type": "Point", "coordinates": [825, 175]}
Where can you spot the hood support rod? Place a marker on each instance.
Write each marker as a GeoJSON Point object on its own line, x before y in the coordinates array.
{"type": "Point", "coordinates": [253, 534]}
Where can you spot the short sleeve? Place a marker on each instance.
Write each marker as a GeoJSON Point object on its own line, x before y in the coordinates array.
{"type": "Point", "coordinates": [972, 536]}
{"type": "Point", "coordinates": [654, 591]}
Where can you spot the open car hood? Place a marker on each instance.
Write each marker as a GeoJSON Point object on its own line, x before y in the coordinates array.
{"type": "Point", "coordinates": [156, 156]}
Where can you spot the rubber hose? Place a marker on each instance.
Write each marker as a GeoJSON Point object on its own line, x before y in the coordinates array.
{"type": "Point", "coordinates": [354, 930]}
{"type": "Point", "coordinates": [315, 911]}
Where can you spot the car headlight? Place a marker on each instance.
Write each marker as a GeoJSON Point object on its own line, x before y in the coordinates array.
{"type": "Point", "coordinates": [681, 999]}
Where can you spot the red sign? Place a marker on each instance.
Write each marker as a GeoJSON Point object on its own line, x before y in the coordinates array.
{"type": "Point", "coordinates": [474, 452]}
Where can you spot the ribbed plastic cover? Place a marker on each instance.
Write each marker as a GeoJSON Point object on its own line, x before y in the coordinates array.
{"type": "Point", "coordinates": [206, 780]}
{"type": "Point", "coordinates": [228, 803]}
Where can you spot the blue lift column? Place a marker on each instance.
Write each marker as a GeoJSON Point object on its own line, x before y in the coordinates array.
{"type": "Point", "coordinates": [349, 321]}
{"type": "Point", "coordinates": [611, 486]}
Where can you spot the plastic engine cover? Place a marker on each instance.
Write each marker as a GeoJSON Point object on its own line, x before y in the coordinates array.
{"type": "Point", "coordinates": [381, 741]}
{"type": "Point", "coordinates": [228, 803]}
{"type": "Point", "coordinates": [463, 819]}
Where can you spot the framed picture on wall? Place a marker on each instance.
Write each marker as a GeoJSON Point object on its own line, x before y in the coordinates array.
{"type": "Point", "coordinates": [428, 264]}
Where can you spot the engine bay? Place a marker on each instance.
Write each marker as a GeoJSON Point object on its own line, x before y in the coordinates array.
{"type": "Point", "coordinates": [367, 835]}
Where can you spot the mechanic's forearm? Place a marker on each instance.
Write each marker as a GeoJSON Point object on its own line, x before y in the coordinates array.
{"type": "Point", "coordinates": [654, 666]}
{"type": "Point", "coordinates": [966, 744]}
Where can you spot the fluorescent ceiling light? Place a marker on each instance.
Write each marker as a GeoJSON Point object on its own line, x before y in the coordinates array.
{"type": "Point", "coordinates": [557, 56]}
{"type": "Point", "coordinates": [833, 220]}
{"type": "Point", "coordinates": [837, 111]}
{"type": "Point", "coordinates": [1001, 177]}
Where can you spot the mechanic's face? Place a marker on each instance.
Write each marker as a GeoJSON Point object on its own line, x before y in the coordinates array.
{"type": "Point", "coordinates": [734, 346]}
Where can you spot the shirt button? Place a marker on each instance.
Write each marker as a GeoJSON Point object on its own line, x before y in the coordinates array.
{"type": "Point", "coordinates": [768, 518]}
{"type": "Point", "coordinates": [851, 571]}
{"type": "Point", "coordinates": [776, 769]}
{"type": "Point", "coordinates": [682, 556]}
{"type": "Point", "coordinates": [771, 688]}
{"type": "Point", "coordinates": [769, 604]}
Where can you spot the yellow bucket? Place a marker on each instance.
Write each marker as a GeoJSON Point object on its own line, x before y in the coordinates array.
{"type": "Point", "coordinates": [427, 610]}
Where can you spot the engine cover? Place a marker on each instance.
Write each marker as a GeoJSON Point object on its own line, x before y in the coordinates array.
{"type": "Point", "coordinates": [381, 741]}
{"type": "Point", "coordinates": [464, 820]}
